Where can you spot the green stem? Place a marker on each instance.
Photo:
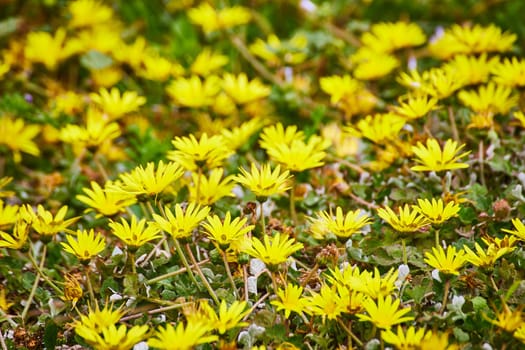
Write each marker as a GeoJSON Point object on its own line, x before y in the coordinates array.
{"type": "Point", "coordinates": [405, 259]}
{"type": "Point", "coordinates": [293, 214]}
{"type": "Point", "coordinates": [173, 273]}
{"type": "Point", "coordinates": [35, 285]}
{"type": "Point", "coordinates": [201, 275]}
{"type": "Point", "coordinates": [42, 275]}
{"type": "Point", "coordinates": [90, 286]}
{"type": "Point", "coordinates": [436, 237]}
{"type": "Point", "coordinates": [263, 219]}
{"type": "Point", "coordinates": [228, 272]}
{"type": "Point", "coordinates": [445, 296]}
{"type": "Point", "coordinates": [352, 335]}
{"type": "Point", "coordinates": [131, 256]}
{"type": "Point", "coordinates": [185, 262]}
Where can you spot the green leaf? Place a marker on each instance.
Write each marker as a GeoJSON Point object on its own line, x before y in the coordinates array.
{"type": "Point", "coordinates": [50, 335]}
{"type": "Point", "coordinates": [461, 335]}
{"type": "Point", "coordinates": [479, 304]}
{"type": "Point", "coordinates": [95, 60]}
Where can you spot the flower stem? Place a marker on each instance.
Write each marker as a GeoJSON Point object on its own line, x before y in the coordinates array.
{"type": "Point", "coordinates": [131, 256]}
{"type": "Point", "coordinates": [352, 335]}
{"type": "Point", "coordinates": [201, 275]}
{"type": "Point", "coordinates": [185, 262]}
{"type": "Point", "coordinates": [445, 296]}
{"type": "Point", "coordinates": [228, 272]}
{"type": "Point", "coordinates": [436, 236]}
{"type": "Point", "coordinates": [90, 286]}
{"type": "Point", "coordinates": [35, 285]}
{"type": "Point", "coordinates": [263, 220]}
{"type": "Point", "coordinates": [405, 259]}
{"type": "Point", "coordinates": [42, 275]}
{"type": "Point", "coordinates": [174, 273]}
{"type": "Point", "coordinates": [293, 214]}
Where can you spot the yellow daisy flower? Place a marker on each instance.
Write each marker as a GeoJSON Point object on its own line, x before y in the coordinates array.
{"type": "Point", "coordinates": [238, 136]}
{"type": "Point", "coordinates": [327, 303]}
{"type": "Point", "coordinates": [194, 92]}
{"type": "Point", "coordinates": [299, 155]}
{"type": "Point", "coordinates": [407, 221]}
{"type": "Point", "coordinates": [433, 158]}
{"type": "Point", "coordinates": [243, 91]}
{"type": "Point", "coordinates": [344, 225]}
{"type": "Point", "coordinates": [487, 257]}
{"type": "Point", "coordinates": [206, 190]}
{"type": "Point", "coordinates": [436, 211]}
{"type": "Point", "coordinates": [385, 312]}
{"type": "Point", "coordinates": [290, 299]}
{"type": "Point", "coordinates": [409, 338]}
{"type": "Point", "coordinates": [113, 337]}
{"type": "Point", "coordinates": [379, 128]}
{"type": "Point", "coordinates": [85, 13]}
{"type": "Point", "coordinates": [181, 222]}
{"type": "Point", "coordinates": [147, 181]}
{"type": "Point", "coordinates": [182, 337]}
{"type": "Point", "coordinates": [275, 250]}
{"type": "Point", "coordinates": [519, 333]}
{"type": "Point", "coordinates": [44, 222]}
{"type": "Point", "coordinates": [226, 231]}
{"type": "Point", "coordinates": [508, 319]}
{"type": "Point", "coordinates": [72, 290]}
{"type": "Point", "coordinates": [491, 98]}
{"type": "Point", "coordinates": [86, 245]}
{"type": "Point", "coordinates": [374, 66]}
{"type": "Point", "coordinates": [116, 104]}
{"type": "Point", "coordinates": [18, 238]}
{"type": "Point", "coordinates": [207, 62]}
{"type": "Point", "coordinates": [50, 49]}
{"type": "Point", "coordinates": [106, 203]}
{"type": "Point", "coordinates": [204, 153]}
{"type": "Point", "coordinates": [277, 133]}
{"type": "Point", "coordinates": [449, 263]}
{"type": "Point", "coordinates": [18, 137]}
{"type": "Point", "coordinates": [228, 317]}
{"type": "Point", "coordinates": [265, 182]}
{"type": "Point", "coordinates": [519, 229]}
{"type": "Point", "coordinates": [211, 19]}
{"type": "Point", "coordinates": [510, 72]}
{"type": "Point", "coordinates": [136, 233]}
{"type": "Point", "coordinates": [8, 214]}
{"type": "Point", "coordinates": [388, 37]}
{"type": "Point", "coordinates": [415, 106]}
{"type": "Point", "coordinates": [472, 69]}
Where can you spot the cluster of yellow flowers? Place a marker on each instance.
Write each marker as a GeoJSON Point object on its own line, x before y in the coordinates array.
{"type": "Point", "coordinates": [224, 156]}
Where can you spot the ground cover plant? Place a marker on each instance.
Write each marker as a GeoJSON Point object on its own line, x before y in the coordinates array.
{"type": "Point", "coordinates": [262, 174]}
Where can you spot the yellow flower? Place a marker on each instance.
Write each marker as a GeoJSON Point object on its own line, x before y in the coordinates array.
{"type": "Point", "coordinates": [18, 137]}
{"type": "Point", "coordinates": [415, 106]}
{"type": "Point", "coordinates": [483, 120]}
{"type": "Point", "coordinates": [509, 72]}
{"type": "Point", "coordinates": [385, 312]}
{"type": "Point", "coordinates": [265, 182]}
{"type": "Point", "coordinates": [327, 303]}
{"type": "Point", "coordinates": [519, 229]}
{"type": "Point", "coordinates": [113, 337]}
{"type": "Point", "coordinates": [4, 68]}
{"type": "Point", "coordinates": [351, 299]}
{"type": "Point", "coordinates": [343, 144]}
{"type": "Point", "coordinates": [433, 158]}
{"type": "Point", "coordinates": [276, 133]}
{"type": "Point", "coordinates": [435, 211]}
{"type": "Point", "coordinates": [471, 39]}
{"type": "Point", "coordinates": [243, 91]}
{"type": "Point", "coordinates": [8, 214]}
{"type": "Point", "coordinates": [135, 234]}
{"type": "Point", "coordinates": [507, 319]}
{"type": "Point", "coordinates": [489, 256]}
{"type": "Point", "coordinates": [406, 339]}
{"type": "Point", "coordinates": [388, 37]}
{"type": "Point", "coordinates": [299, 155]}
{"type": "Point", "coordinates": [106, 203]}
{"type": "Point", "coordinates": [227, 231]}
{"type": "Point", "coordinates": [132, 54]}
{"type": "Point", "coordinates": [193, 92]}
{"type": "Point", "coordinates": [206, 190]}
{"type": "Point", "coordinates": [344, 225]}
{"type": "Point", "coordinates": [229, 317]}
{"type": "Point", "coordinates": [18, 238]}
{"type": "Point", "coordinates": [237, 137]}
{"type": "Point", "coordinates": [72, 290]}
{"type": "Point", "coordinates": [437, 341]}
{"type": "Point", "coordinates": [204, 153]}
{"type": "Point", "coordinates": [207, 62]}
{"type": "Point", "coordinates": [85, 13]}
{"type": "Point", "coordinates": [275, 250]}
{"type": "Point", "coordinates": [519, 333]}
{"type": "Point", "coordinates": [449, 263]}
{"type": "Point", "coordinates": [155, 67]}
{"type": "Point", "coordinates": [372, 284]}
{"type": "Point", "coordinates": [372, 66]}
{"type": "Point", "coordinates": [97, 132]}
{"type": "Point", "coordinates": [50, 49]}
{"type": "Point", "coordinates": [338, 87]}
{"type": "Point", "coordinates": [181, 223]}
{"type": "Point", "coordinates": [116, 104]}
{"type": "Point", "coordinates": [472, 69]}
{"type": "Point", "coordinates": [290, 299]}
{"type": "Point", "coordinates": [97, 319]}
{"type": "Point", "coordinates": [521, 118]}
{"type": "Point", "coordinates": [44, 222]}
{"type": "Point", "coordinates": [181, 337]}
{"type": "Point", "coordinates": [407, 221]}
{"type": "Point", "coordinates": [441, 83]}
{"type": "Point", "coordinates": [211, 19]}
{"type": "Point", "coordinates": [86, 245]}
{"type": "Point", "coordinates": [4, 304]}
{"type": "Point", "coordinates": [275, 52]}
{"type": "Point", "coordinates": [148, 181]}
{"type": "Point", "coordinates": [491, 98]}
{"type": "Point", "coordinates": [380, 128]}
{"type": "Point", "coordinates": [68, 102]}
